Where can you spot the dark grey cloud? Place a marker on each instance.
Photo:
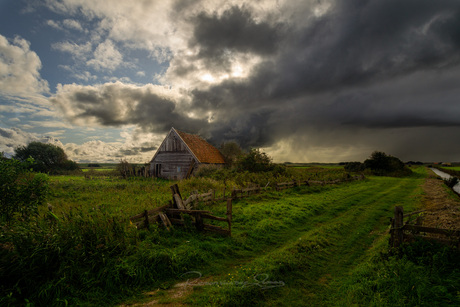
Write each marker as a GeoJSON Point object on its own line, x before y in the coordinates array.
{"type": "Point", "coordinates": [117, 104]}
{"type": "Point", "coordinates": [370, 74]}
{"type": "Point", "coordinates": [234, 30]}
{"type": "Point", "coordinates": [364, 65]}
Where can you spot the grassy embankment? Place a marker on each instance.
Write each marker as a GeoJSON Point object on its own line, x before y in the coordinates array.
{"type": "Point", "coordinates": [321, 242]}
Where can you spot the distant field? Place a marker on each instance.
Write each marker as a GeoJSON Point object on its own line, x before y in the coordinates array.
{"type": "Point", "coordinates": [307, 165]}
{"type": "Point", "coordinates": [100, 166]}
{"type": "Point", "coordinates": [454, 168]}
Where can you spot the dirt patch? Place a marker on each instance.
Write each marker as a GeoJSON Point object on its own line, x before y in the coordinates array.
{"type": "Point", "coordinates": [443, 210]}
{"type": "Point", "coordinates": [173, 296]}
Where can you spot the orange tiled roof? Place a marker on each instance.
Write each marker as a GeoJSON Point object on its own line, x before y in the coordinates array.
{"type": "Point", "coordinates": [205, 152]}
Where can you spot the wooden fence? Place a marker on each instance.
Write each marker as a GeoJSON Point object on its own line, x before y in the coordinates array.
{"type": "Point", "coordinates": [401, 231]}
{"type": "Point", "coordinates": [172, 214]}
{"type": "Point", "coordinates": [297, 183]}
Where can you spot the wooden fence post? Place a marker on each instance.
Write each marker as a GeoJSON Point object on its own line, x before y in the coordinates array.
{"type": "Point", "coordinates": [146, 221]}
{"type": "Point", "coordinates": [199, 222]}
{"type": "Point", "coordinates": [397, 232]}
{"type": "Point", "coordinates": [229, 215]}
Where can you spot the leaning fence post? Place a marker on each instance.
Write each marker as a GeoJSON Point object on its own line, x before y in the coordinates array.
{"type": "Point", "coordinates": [397, 234]}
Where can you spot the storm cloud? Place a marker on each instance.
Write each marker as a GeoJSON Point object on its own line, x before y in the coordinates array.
{"type": "Point", "coordinates": [338, 79]}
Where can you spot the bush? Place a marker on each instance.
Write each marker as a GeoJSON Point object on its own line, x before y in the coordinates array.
{"type": "Point", "coordinates": [354, 167]}
{"type": "Point", "coordinates": [22, 191]}
{"type": "Point", "coordinates": [125, 169]}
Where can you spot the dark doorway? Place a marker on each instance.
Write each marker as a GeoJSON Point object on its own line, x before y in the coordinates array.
{"type": "Point", "coordinates": [157, 170]}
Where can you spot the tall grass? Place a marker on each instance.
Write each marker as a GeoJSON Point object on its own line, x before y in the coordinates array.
{"type": "Point", "coordinates": [419, 274]}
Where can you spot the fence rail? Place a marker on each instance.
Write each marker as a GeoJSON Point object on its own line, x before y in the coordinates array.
{"type": "Point", "coordinates": [297, 183]}
{"type": "Point", "coordinates": [403, 231]}
{"type": "Point", "coordinates": [172, 214]}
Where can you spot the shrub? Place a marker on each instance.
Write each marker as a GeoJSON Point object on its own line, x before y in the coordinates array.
{"type": "Point", "coordinates": [354, 167]}
{"type": "Point", "coordinates": [22, 191]}
{"type": "Point", "coordinates": [124, 168]}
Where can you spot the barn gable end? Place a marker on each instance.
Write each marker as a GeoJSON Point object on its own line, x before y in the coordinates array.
{"type": "Point", "coordinates": [180, 153]}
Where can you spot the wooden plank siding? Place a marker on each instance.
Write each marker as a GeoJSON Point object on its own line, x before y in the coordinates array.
{"type": "Point", "coordinates": [174, 165]}
{"type": "Point", "coordinates": [175, 158]}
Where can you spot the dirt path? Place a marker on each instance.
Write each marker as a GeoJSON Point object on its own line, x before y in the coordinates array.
{"type": "Point", "coordinates": [443, 209]}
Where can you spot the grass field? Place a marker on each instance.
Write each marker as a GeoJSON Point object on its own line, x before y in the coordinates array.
{"type": "Point", "coordinates": [454, 168]}
{"type": "Point", "coordinates": [311, 245]}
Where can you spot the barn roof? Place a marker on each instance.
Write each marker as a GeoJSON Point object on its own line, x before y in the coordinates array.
{"type": "Point", "coordinates": [203, 151]}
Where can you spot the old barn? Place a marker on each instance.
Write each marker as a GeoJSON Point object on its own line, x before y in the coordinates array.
{"type": "Point", "coordinates": [181, 154]}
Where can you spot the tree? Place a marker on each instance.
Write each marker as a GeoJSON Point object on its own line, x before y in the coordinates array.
{"type": "Point", "coordinates": [382, 164]}
{"type": "Point", "coordinates": [47, 157]}
{"type": "Point", "coordinates": [231, 152]}
{"type": "Point", "coordinates": [21, 190]}
{"type": "Point", "coordinates": [255, 161]}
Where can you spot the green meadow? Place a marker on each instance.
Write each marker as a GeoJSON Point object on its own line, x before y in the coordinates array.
{"type": "Point", "coordinates": [310, 245]}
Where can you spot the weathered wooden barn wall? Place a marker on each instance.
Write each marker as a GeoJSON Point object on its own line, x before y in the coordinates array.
{"type": "Point", "coordinates": [174, 165]}
{"type": "Point", "coordinates": [172, 160]}
{"type": "Point", "coordinates": [180, 153]}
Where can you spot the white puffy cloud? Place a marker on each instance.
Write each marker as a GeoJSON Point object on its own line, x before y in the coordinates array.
{"type": "Point", "coordinates": [72, 24]}
{"type": "Point", "coordinates": [134, 146]}
{"type": "Point", "coordinates": [13, 138]}
{"type": "Point", "coordinates": [106, 56]}
{"type": "Point", "coordinates": [19, 69]}
{"type": "Point", "coordinates": [78, 51]}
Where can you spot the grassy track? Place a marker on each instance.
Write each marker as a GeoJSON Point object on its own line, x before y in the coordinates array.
{"type": "Point", "coordinates": [308, 241]}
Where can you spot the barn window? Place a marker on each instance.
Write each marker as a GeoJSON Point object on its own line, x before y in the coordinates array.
{"type": "Point", "coordinates": [178, 169]}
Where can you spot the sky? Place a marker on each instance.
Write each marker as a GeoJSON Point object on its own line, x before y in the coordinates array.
{"type": "Point", "coordinates": [304, 81]}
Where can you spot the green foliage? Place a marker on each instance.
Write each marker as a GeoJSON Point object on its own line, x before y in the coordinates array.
{"type": "Point", "coordinates": [124, 168]}
{"type": "Point", "coordinates": [21, 190]}
{"type": "Point", "coordinates": [382, 164]}
{"type": "Point", "coordinates": [231, 152]}
{"type": "Point", "coordinates": [47, 157]}
{"type": "Point", "coordinates": [354, 167]}
{"type": "Point", "coordinates": [255, 161]}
